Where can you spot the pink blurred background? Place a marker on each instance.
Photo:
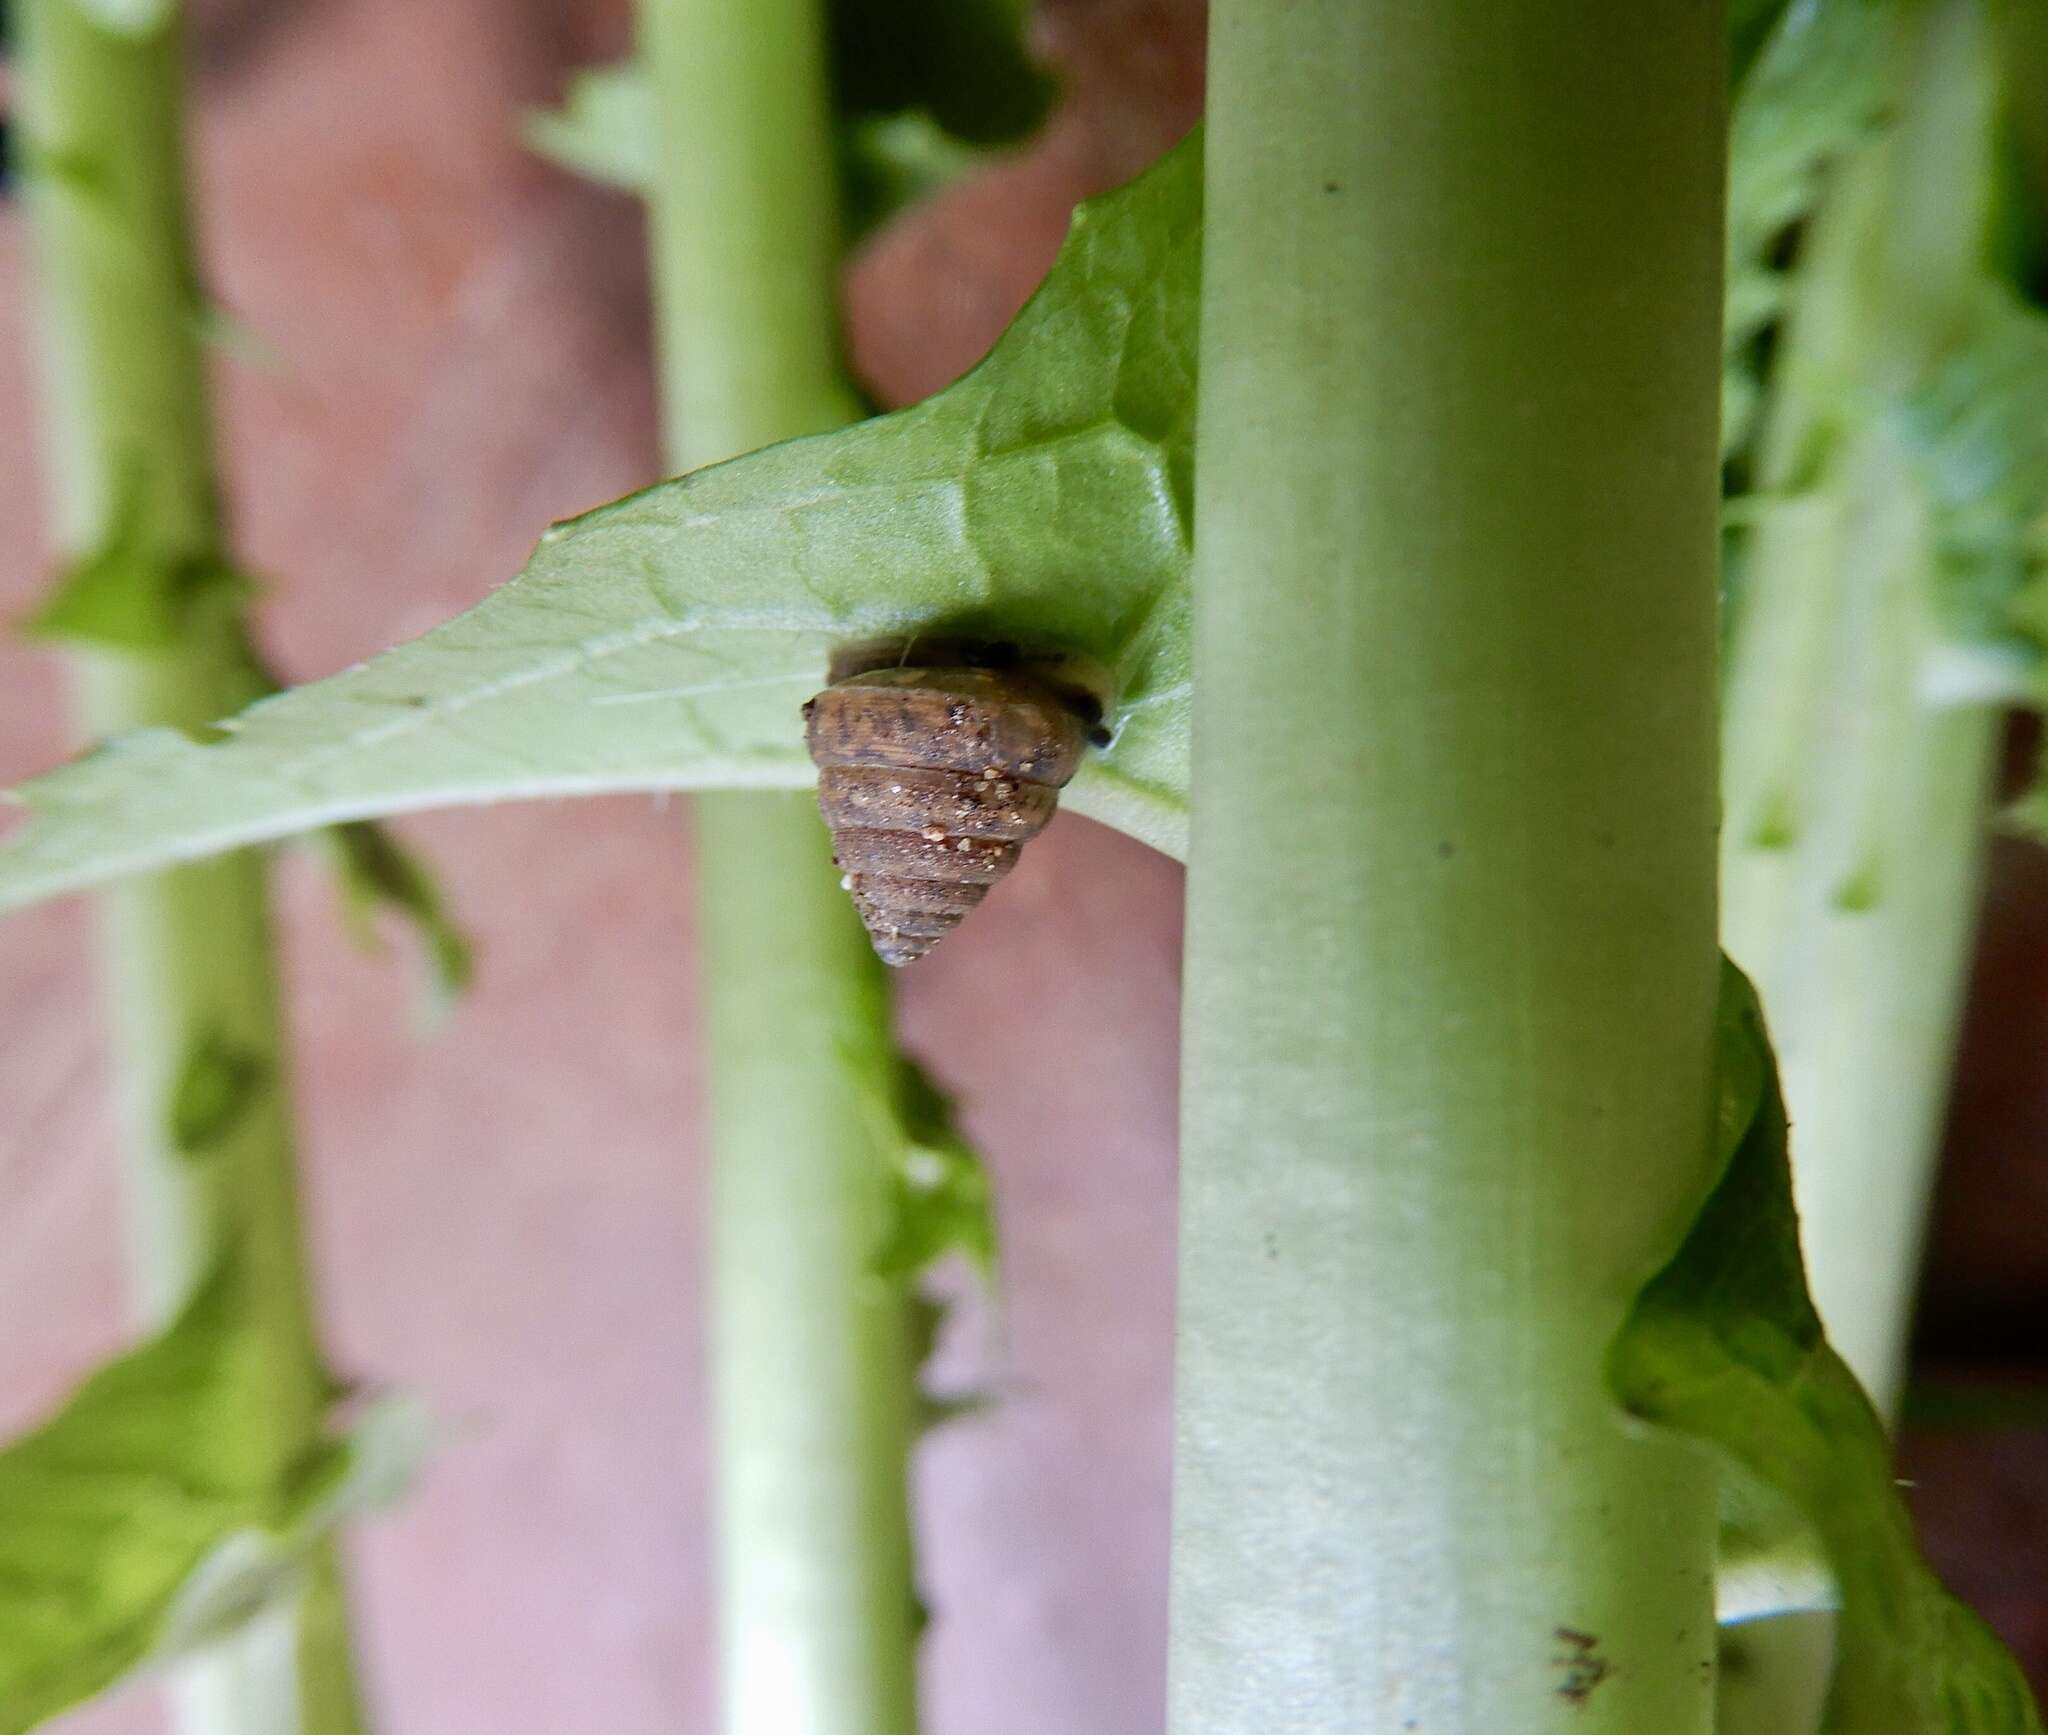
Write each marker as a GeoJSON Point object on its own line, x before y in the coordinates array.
{"type": "Point", "coordinates": [507, 1215]}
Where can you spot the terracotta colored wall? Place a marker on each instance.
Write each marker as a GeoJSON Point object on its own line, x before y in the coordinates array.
{"type": "Point", "coordinates": [507, 1218]}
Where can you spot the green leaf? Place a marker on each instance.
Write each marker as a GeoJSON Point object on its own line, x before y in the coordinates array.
{"type": "Point", "coordinates": [667, 641]}
{"type": "Point", "coordinates": [887, 163]}
{"type": "Point", "coordinates": [218, 1082]}
{"type": "Point", "coordinates": [962, 62]}
{"type": "Point", "coordinates": [79, 173]}
{"type": "Point", "coordinates": [1816, 87]}
{"type": "Point", "coordinates": [130, 598]}
{"type": "Point", "coordinates": [938, 1204]}
{"type": "Point", "coordinates": [604, 130]}
{"type": "Point", "coordinates": [1975, 427]}
{"type": "Point", "coordinates": [923, 93]}
{"type": "Point", "coordinates": [919, 91]}
{"type": "Point", "coordinates": [926, 1318]}
{"type": "Point", "coordinates": [131, 594]}
{"type": "Point", "coordinates": [375, 873]}
{"type": "Point", "coordinates": [939, 1193]}
{"type": "Point", "coordinates": [158, 1510]}
{"type": "Point", "coordinates": [1724, 1344]}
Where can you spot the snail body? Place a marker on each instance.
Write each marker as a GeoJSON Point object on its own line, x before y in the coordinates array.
{"type": "Point", "coordinates": [931, 779]}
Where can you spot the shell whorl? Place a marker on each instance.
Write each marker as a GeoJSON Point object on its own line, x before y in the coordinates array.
{"type": "Point", "coordinates": [931, 780]}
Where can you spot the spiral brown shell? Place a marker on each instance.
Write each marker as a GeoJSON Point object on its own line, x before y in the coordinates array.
{"type": "Point", "coordinates": [931, 780]}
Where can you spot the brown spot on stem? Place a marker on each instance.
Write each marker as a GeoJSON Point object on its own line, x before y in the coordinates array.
{"type": "Point", "coordinates": [1582, 1666]}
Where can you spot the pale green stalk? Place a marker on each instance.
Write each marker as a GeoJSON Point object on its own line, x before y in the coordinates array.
{"type": "Point", "coordinates": [186, 959]}
{"type": "Point", "coordinates": [1451, 926]}
{"type": "Point", "coordinates": [810, 1349]}
{"type": "Point", "coordinates": [1859, 760]}
{"type": "Point", "coordinates": [1859, 763]}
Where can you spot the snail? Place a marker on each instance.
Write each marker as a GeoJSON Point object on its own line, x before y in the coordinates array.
{"type": "Point", "coordinates": [933, 775]}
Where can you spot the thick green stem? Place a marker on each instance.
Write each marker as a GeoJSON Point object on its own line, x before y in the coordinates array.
{"type": "Point", "coordinates": [186, 957]}
{"type": "Point", "coordinates": [810, 1349]}
{"type": "Point", "coordinates": [1451, 927]}
{"type": "Point", "coordinates": [1856, 786]}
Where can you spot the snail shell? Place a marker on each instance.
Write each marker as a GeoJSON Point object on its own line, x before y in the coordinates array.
{"type": "Point", "coordinates": [931, 780]}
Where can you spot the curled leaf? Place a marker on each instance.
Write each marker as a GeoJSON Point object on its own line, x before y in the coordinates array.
{"type": "Point", "coordinates": [1724, 1344]}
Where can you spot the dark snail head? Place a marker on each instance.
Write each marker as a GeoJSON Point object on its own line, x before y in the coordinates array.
{"type": "Point", "coordinates": [931, 779]}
